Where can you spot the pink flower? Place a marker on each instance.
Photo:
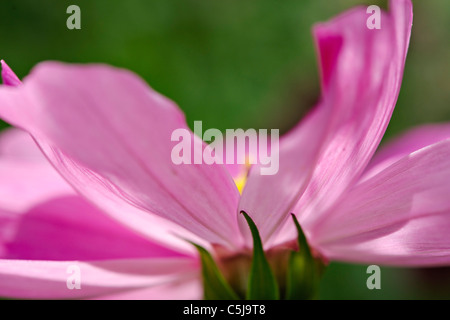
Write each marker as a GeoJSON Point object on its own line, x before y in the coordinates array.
{"type": "Point", "coordinates": [107, 134]}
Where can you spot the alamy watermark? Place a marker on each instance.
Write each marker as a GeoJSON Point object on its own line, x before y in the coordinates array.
{"type": "Point", "coordinates": [374, 280]}
{"type": "Point", "coordinates": [237, 147]}
{"type": "Point", "coordinates": [374, 20]}
{"type": "Point", "coordinates": [74, 279]}
{"type": "Point", "coordinates": [74, 20]}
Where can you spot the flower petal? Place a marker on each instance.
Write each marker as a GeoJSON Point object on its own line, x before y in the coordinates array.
{"type": "Point", "coordinates": [361, 76]}
{"type": "Point", "coordinates": [109, 135]}
{"type": "Point", "coordinates": [8, 76]}
{"type": "Point", "coordinates": [38, 207]}
{"type": "Point", "coordinates": [69, 228]}
{"type": "Point", "coordinates": [268, 198]}
{"type": "Point", "coordinates": [400, 216]}
{"type": "Point", "coordinates": [361, 72]}
{"type": "Point", "coordinates": [18, 145]}
{"type": "Point", "coordinates": [27, 179]}
{"type": "Point", "coordinates": [405, 144]}
{"type": "Point", "coordinates": [185, 289]}
{"type": "Point", "coordinates": [49, 279]}
{"type": "Point", "coordinates": [364, 83]}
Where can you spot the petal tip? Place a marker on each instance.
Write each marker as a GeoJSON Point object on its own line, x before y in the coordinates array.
{"type": "Point", "coordinates": [9, 78]}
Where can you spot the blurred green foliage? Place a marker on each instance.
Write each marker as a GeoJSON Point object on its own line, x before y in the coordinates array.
{"type": "Point", "coordinates": [239, 63]}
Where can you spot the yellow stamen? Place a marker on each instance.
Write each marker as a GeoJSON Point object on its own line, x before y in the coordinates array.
{"type": "Point", "coordinates": [241, 179]}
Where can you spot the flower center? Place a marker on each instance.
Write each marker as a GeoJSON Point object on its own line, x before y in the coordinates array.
{"type": "Point", "coordinates": [236, 267]}
{"type": "Point", "coordinates": [287, 271]}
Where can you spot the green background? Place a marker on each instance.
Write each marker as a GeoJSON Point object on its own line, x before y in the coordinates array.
{"type": "Point", "coordinates": [240, 64]}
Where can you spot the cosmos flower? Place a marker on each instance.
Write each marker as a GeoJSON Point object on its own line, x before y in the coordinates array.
{"type": "Point", "coordinates": [113, 204]}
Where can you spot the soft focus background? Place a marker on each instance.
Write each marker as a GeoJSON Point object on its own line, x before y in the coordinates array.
{"type": "Point", "coordinates": [240, 64]}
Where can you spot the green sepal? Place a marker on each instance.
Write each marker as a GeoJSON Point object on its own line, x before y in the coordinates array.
{"type": "Point", "coordinates": [215, 287]}
{"type": "Point", "coordinates": [304, 271]}
{"type": "Point", "coordinates": [262, 284]}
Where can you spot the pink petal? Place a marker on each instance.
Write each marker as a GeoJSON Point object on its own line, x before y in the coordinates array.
{"type": "Point", "coordinates": [268, 198]}
{"type": "Point", "coordinates": [407, 143]}
{"type": "Point", "coordinates": [109, 135]}
{"type": "Point", "coordinates": [361, 72]}
{"type": "Point", "coordinates": [69, 228]}
{"type": "Point", "coordinates": [27, 179]}
{"type": "Point", "coordinates": [400, 216]}
{"type": "Point", "coordinates": [8, 76]}
{"type": "Point", "coordinates": [37, 207]}
{"type": "Point", "coordinates": [18, 145]}
{"type": "Point", "coordinates": [365, 83]}
{"type": "Point", "coordinates": [42, 218]}
{"type": "Point", "coordinates": [48, 279]}
{"type": "Point", "coordinates": [185, 289]}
